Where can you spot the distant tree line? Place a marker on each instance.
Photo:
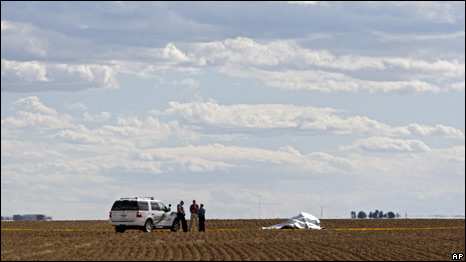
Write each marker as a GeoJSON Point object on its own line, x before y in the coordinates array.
{"type": "Point", "coordinates": [375, 214]}
{"type": "Point", "coordinates": [27, 217]}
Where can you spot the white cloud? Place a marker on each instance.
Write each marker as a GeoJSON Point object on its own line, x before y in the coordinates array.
{"type": "Point", "coordinates": [27, 76]}
{"type": "Point", "coordinates": [212, 118]}
{"type": "Point", "coordinates": [21, 149]}
{"type": "Point", "coordinates": [242, 115]}
{"type": "Point", "coordinates": [80, 135]}
{"type": "Point", "coordinates": [30, 112]}
{"type": "Point", "coordinates": [447, 12]}
{"type": "Point", "coordinates": [281, 64]}
{"type": "Point", "coordinates": [190, 82]}
{"type": "Point", "coordinates": [171, 54]}
{"type": "Point", "coordinates": [388, 37]}
{"type": "Point", "coordinates": [20, 37]}
{"type": "Point", "coordinates": [25, 119]}
{"type": "Point", "coordinates": [129, 132]}
{"type": "Point", "coordinates": [425, 165]}
{"type": "Point", "coordinates": [219, 157]}
{"type": "Point", "coordinates": [32, 103]}
{"type": "Point", "coordinates": [423, 130]}
{"type": "Point", "coordinates": [284, 64]}
{"type": "Point", "coordinates": [25, 71]}
{"type": "Point", "coordinates": [333, 82]}
{"type": "Point", "coordinates": [103, 116]}
{"type": "Point", "coordinates": [245, 51]}
{"type": "Point", "coordinates": [77, 106]}
{"type": "Point", "coordinates": [130, 146]}
{"type": "Point", "coordinates": [386, 144]}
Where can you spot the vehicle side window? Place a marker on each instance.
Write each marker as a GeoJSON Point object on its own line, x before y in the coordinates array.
{"type": "Point", "coordinates": [162, 206]}
{"type": "Point", "coordinates": [154, 205]}
{"type": "Point", "coordinates": [143, 205]}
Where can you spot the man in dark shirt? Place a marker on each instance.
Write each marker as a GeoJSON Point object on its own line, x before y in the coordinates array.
{"type": "Point", "coordinates": [193, 209]}
{"type": "Point", "coordinates": [201, 215]}
{"type": "Point", "coordinates": [180, 213]}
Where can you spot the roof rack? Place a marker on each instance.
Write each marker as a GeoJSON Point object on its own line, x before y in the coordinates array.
{"type": "Point", "coordinates": [142, 198]}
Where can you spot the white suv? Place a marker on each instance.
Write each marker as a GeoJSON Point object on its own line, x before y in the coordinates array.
{"type": "Point", "coordinates": [144, 213]}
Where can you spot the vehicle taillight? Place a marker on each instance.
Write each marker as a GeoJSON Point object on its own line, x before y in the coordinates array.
{"type": "Point", "coordinates": [139, 214]}
{"type": "Point", "coordinates": [110, 214]}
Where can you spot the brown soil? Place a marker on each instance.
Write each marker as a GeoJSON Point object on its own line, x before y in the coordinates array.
{"type": "Point", "coordinates": [343, 239]}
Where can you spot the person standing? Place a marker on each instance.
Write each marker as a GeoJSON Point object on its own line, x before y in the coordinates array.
{"type": "Point", "coordinates": [201, 214]}
{"type": "Point", "coordinates": [181, 214]}
{"type": "Point", "coordinates": [194, 219]}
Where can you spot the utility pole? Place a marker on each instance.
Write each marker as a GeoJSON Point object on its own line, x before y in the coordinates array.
{"type": "Point", "coordinates": [321, 212]}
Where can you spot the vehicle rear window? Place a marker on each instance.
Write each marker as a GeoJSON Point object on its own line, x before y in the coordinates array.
{"type": "Point", "coordinates": [125, 205]}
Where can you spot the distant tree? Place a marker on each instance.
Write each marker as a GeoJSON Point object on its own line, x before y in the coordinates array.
{"type": "Point", "coordinates": [371, 215]}
{"type": "Point", "coordinates": [376, 214]}
{"type": "Point", "coordinates": [362, 214]}
{"type": "Point", "coordinates": [391, 214]}
{"type": "Point", "coordinates": [353, 214]}
{"type": "Point", "coordinates": [380, 214]}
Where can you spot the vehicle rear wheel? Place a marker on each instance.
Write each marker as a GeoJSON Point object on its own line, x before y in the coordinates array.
{"type": "Point", "coordinates": [148, 226]}
{"type": "Point", "coordinates": [176, 225]}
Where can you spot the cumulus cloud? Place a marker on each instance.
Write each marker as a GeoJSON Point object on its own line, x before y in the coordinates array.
{"type": "Point", "coordinates": [31, 113]}
{"type": "Point", "coordinates": [280, 64]}
{"type": "Point", "coordinates": [103, 116]}
{"type": "Point", "coordinates": [132, 145]}
{"type": "Point", "coordinates": [32, 103]}
{"type": "Point", "coordinates": [76, 106]}
{"type": "Point", "coordinates": [191, 121]}
{"type": "Point", "coordinates": [20, 37]}
{"type": "Point", "coordinates": [30, 71]}
{"type": "Point", "coordinates": [242, 115]}
{"type": "Point", "coordinates": [432, 11]}
{"type": "Point", "coordinates": [389, 37]}
{"type": "Point", "coordinates": [332, 82]}
{"type": "Point", "coordinates": [286, 65]}
{"type": "Point", "coordinates": [80, 135]}
{"type": "Point", "coordinates": [386, 144]}
{"type": "Point", "coordinates": [18, 76]}
{"type": "Point", "coordinates": [423, 130]}
{"type": "Point", "coordinates": [40, 121]}
{"type": "Point", "coordinates": [220, 157]}
{"type": "Point", "coordinates": [279, 119]}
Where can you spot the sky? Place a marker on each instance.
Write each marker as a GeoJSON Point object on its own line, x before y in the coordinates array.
{"type": "Point", "coordinates": [256, 109]}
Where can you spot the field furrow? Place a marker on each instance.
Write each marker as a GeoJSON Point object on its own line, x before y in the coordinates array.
{"type": "Point", "coordinates": [237, 240]}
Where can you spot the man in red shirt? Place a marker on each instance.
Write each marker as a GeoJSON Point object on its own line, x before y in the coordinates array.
{"type": "Point", "coordinates": [194, 218]}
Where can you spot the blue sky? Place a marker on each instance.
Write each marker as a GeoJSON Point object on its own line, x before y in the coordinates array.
{"type": "Point", "coordinates": [343, 105]}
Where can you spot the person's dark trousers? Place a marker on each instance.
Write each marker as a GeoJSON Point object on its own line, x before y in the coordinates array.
{"type": "Point", "coordinates": [201, 223]}
{"type": "Point", "coordinates": [183, 222]}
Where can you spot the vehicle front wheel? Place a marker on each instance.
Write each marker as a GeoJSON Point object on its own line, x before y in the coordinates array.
{"type": "Point", "coordinates": [176, 225]}
{"type": "Point", "coordinates": [148, 226]}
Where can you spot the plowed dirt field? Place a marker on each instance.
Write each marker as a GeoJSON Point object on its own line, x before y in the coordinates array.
{"type": "Point", "coordinates": [342, 239]}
